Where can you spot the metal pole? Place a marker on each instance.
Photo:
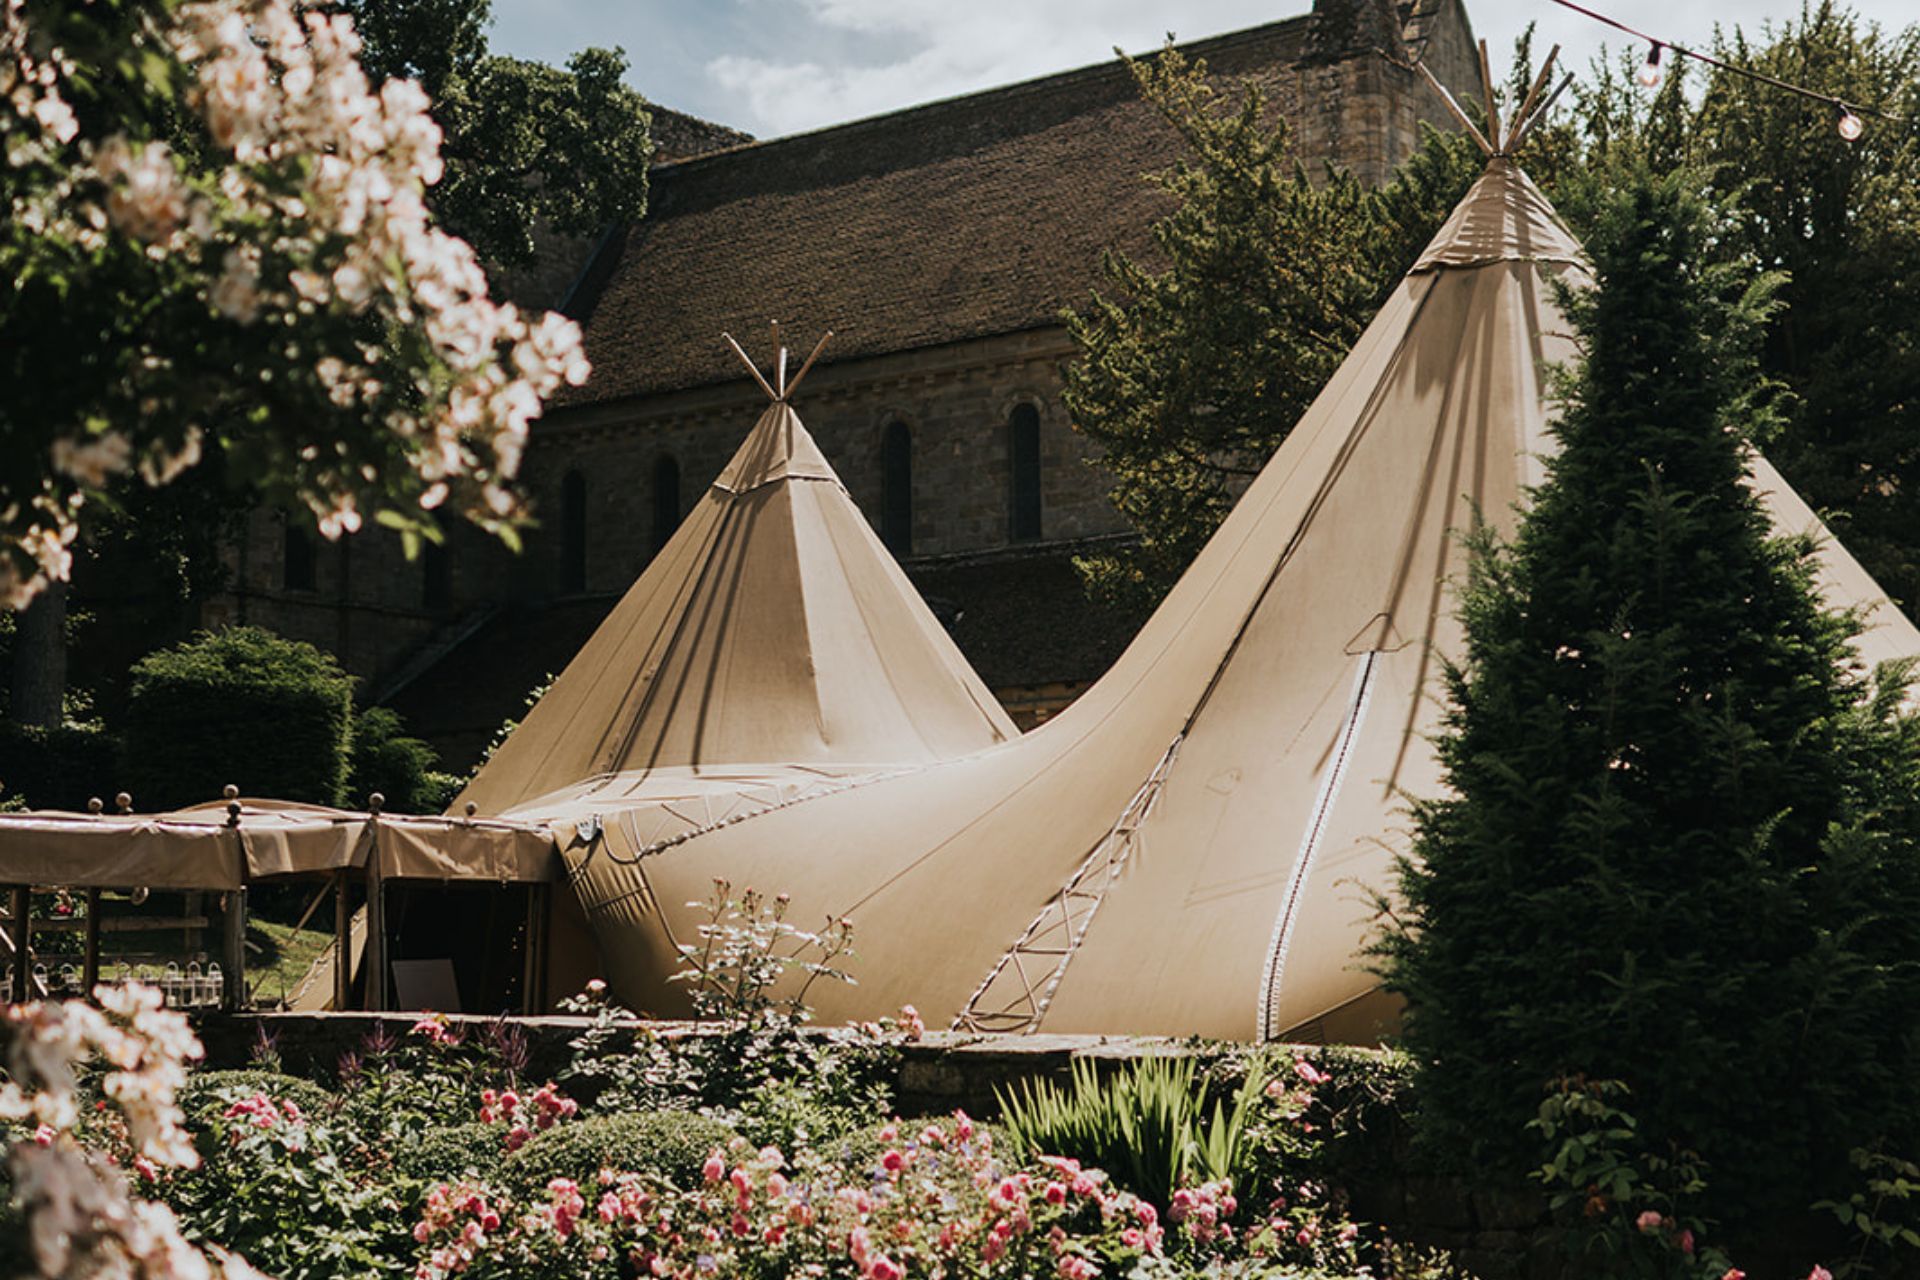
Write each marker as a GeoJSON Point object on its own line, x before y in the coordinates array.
{"type": "Point", "coordinates": [342, 945]}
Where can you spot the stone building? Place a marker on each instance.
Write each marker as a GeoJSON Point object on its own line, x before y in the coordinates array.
{"type": "Point", "coordinates": [940, 244]}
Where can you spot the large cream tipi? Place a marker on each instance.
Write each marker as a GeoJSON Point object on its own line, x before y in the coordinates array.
{"type": "Point", "coordinates": [1191, 847]}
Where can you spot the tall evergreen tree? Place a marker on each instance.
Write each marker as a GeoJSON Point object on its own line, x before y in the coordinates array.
{"type": "Point", "coordinates": [1676, 821]}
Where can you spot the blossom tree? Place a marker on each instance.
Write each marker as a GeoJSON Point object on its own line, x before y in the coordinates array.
{"type": "Point", "coordinates": [217, 233]}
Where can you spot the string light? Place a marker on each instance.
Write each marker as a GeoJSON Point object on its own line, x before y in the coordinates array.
{"type": "Point", "coordinates": [1846, 116]}
{"type": "Point", "coordinates": [1649, 72]}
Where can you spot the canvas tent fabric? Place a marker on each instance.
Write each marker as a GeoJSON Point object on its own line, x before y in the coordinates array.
{"type": "Point", "coordinates": [200, 848]}
{"type": "Point", "coordinates": [773, 629]}
{"type": "Point", "coordinates": [1190, 848]}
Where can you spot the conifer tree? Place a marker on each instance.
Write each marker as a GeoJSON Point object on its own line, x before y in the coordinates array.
{"type": "Point", "coordinates": [1676, 849]}
{"type": "Point", "coordinates": [1196, 362]}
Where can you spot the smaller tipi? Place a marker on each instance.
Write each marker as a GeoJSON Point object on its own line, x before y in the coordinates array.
{"type": "Point", "coordinates": [774, 629]}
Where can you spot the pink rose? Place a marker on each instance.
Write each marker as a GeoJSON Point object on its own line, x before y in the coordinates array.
{"type": "Point", "coordinates": [715, 1168]}
{"type": "Point", "coordinates": [1649, 1221]}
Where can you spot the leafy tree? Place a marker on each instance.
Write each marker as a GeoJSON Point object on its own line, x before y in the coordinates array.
{"type": "Point", "coordinates": [1840, 220]}
{"type": "Point", "coordinates": [526, 145]}
{"type": "Point", "coordinates": [273, 291]}
{"type": "Point", "coordinates": [1192, 372]}
{"type": "Point", "coordinates": [1676, 849]}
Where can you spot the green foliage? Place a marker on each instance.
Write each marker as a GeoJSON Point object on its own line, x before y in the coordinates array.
{"type": "Point", "coordinates": [747, 946]}
{"type": "Point", "coordinates": [281, 1188]}
{"type": "Point", "coordinates": [1883, 1211]}
{"type": "Point", "coordinates": [452, 1152]}
{"type": "Point", "coordinates": [1677, 839]}
{"type": "Point", "coordinates": [776, 1082]}
{"type": "Point", "coordinates": [59, 767]}
{"type": "Point", "coordinates": [209, 1092]}
{"type": "Point", "coordinates": [241, 706]}
{"type": "Point", "coordinates": [526, 145]}
{"type": "Point", "coordinates": [1192, 372]}
{"type": "Point", "coordinates": [1146, 1124]}
{"type": "Point", "coordinates": [400, 768]}
{"type": "Point", "coordinates": [1627, 1207]}
{"type": "Point", "coordinates": [671, 1144]}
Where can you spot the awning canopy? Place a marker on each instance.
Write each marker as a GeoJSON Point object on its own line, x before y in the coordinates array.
{"type": "Point", "coordinates": [205, 847]}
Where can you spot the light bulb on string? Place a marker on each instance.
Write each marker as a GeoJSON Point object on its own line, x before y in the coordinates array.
{"type": "Point", "coordinates": [1649, 72]}
{"type": "Point", "coordinates": [1849, 124]}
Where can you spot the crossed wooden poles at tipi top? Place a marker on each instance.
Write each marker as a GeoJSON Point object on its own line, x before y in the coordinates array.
{"type": "Point", "coordinates": [779, 389]}
{"type": "Point", "coordinates": [1532, 110]}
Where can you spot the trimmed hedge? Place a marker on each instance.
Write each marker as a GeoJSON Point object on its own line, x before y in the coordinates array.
{"type": "Point", "coordinates": [242, 706]}
{"type": "Point", "coordinates": [60, 767]}
{"type": "Point", "coordinates": [672, 1144]}
{"type": "Point", "coordinates": [206, 1090]}
{"type": "Point", "coordinates": [400, 768]}
{"type": "Point", "coordinates": [448, 1154]}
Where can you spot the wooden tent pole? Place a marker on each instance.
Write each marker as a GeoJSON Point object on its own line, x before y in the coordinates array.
{"type": "Point", "coordinates": [20, 932]}
{"type": "Point", "coordinates": [1525, 129]}
{"type": "Point", "coordinates": [90, 954]}
{"type": "Point", "coordinates": [1525, 112]}
{"type": "Point", "coordinates": [233, 929]}
{"type": "Point", "coordinates": [750, 368]}
{"type": "Point", "coordinates": [1466, 122]}
{"type": "Point", "coordinates": [1493, 102]}
{"type": "Point", "coordinates": [818, 347]}
{"type": "Point", "coordinates": [376, 963]}
{"type": "Point", "coordinates": [342, 945]}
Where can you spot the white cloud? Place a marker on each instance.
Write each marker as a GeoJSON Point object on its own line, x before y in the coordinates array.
{"type": "Point", "coordinates": [954, 46]}
{"type": "Point", "coordinates": [937, 48]}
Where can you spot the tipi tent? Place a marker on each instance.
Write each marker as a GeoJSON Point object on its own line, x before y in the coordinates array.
{"type": "Point", "coordinates": [1190, 847]}
{"type": "Point", "coordinates": [773, 629]}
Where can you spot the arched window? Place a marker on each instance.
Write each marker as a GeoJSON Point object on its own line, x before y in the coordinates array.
{"type": "Point", "coordinates": [573, 532]}
{"type": "Point", "coordinates": [1023, 474]}
{"type": "Point", "coordinates": [666, 501]}
{"type": "Point", "coordinates": [436, 576]}
{"type": "Point", "coordinates": [297, 557]}
{"type": "Point", "coordinates": [896, 489]}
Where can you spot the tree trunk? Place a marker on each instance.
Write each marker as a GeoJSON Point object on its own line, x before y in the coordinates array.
{"type": "Point", "coordinates": [40, 658]}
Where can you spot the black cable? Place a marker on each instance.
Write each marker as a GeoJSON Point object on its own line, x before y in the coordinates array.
{"type": "Point", "coordinates": [1840, 104]}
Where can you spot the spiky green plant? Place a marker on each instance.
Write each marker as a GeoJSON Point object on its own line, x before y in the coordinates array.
{"type": "Point", "coordinates": [1147, 1124]}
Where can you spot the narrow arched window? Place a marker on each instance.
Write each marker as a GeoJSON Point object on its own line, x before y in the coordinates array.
{"type": "Point", "coordinates": [896, 489]}
{"type": "Point", "coordinates": [573, 532]}
{"type": "Point", "coordinates": [297, 557]}
{"type": "Point", "coordinates": [666, 501]}
{"type": "Point", "coordinates": [1023, 473]}
{"type": "Point", "coordinates": [436, 576]}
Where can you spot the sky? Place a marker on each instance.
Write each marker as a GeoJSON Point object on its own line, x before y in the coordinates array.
{"type": "Point", "coordinates": [773, 67]}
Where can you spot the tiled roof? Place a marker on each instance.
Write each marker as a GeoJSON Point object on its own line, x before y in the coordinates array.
{"type": "Point", "coordinates": [983, 214]}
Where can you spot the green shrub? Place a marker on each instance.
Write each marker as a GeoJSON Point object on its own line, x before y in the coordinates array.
{"type": "Point", "coordinates": [400, 768]}
{"type": "Point", "coordinates": [213, 1091]}
{"type": "Point", "coordinates": [673, 1144]}
{"type": "Point", "coordinates": [445, 1155]}
{"type": "Point", "coordinates": [57, 767]}
{"type": "Point", "coordinates": [240, 706]}
{"type": "Point", "coordinates": [1146, 1124]}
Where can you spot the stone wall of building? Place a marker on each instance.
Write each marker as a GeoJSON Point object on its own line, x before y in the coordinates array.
{"type": "Point", "coordinates": [954, 401]}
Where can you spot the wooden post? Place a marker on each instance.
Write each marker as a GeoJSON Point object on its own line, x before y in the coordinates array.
{"type": "Point", "coordinates": [90, 961]}
{"type": "Point", "coordinates": [22, 934]}
{"type": "Point", "coordinates": [530, 962]}
{"type": "Point", "coordinates": [16, 935]}
{"type": "Point", "coordinates": [342, 945]}
{"type": "Point", "coordinates": [376, 965]}
{"type": "Point", "coordinates": [234, 951]}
